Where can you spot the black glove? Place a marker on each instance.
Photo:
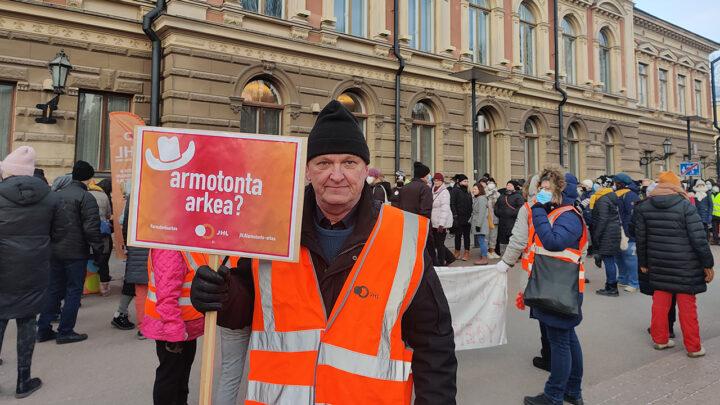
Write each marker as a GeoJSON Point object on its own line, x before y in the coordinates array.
{"type": "Point", "coordinates": [598, 261]}
{"type": "Point", "coordinates": [209, 289]}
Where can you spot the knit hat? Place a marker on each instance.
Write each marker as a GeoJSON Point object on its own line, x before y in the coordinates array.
{"type": "Point", "coordinates": [460, 177]}
{"type": "Point", "coordinates": [420, 170]}
{"type": "Point", "coordinates": [623, 178]}
{"type": "Point", "coordinates": [669, 177]}
{"type": "Point", "coordinates": [82, 171]}
{"type": "Point", "coordinates": [439, 176]}
{"type": "Point", "coordinates": [21, 162]}
{"type": "Point", "coordinates": [588, 184]}
{"type": "Point", "coordinates": [374, 172]}
{"type": "Point", "coordinates": [336, 130]}
{"type": "Point", "coordinates": [515, 184]}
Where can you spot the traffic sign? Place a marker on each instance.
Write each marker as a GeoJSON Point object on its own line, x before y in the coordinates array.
{"type": "Point", "coordinates": [690, 169]}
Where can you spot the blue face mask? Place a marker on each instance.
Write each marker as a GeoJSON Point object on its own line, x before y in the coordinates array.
{"type": "Point", "coordinates": [544, 197]}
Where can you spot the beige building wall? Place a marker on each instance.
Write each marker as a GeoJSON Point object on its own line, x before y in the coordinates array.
{"type": "Point", "coordinates": [211, 49]}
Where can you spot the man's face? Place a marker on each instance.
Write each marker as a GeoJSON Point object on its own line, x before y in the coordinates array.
{"type": "Point", "coordinates": [438, 183]}
{"type": "Point", "coordinates": [509, 187]}
{"type": "Point", "coordinates": [464, 183]}
{"type": "Point", "coordinates": [337, 179]}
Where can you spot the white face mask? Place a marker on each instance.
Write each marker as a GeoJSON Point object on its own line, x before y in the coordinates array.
{"type": "Point", "coordinates": [716, 189]}
{"type": "Point", "coordinates": [491, 186]}
{"type": "Point", "coordinates": [370, 180]}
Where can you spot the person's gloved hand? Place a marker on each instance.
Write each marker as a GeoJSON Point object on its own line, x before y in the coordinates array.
{"type": "Point", "coordinates": [502, 267]}
{"type": "Point", "coordinates": [209, 289]}
{"type": "Point", "coordinates": [520, 301]}
{"type": "Point", "coordinates": [598, 261]}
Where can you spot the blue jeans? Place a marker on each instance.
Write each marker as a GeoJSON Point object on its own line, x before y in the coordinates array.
{"type": "Point", "coordinates": [566, 365]}
{"type": "Point", "coordinates": [610, 269]}
{"type": "Point", "coordinates": [481, 242]}
{"type": "Point", "coordinates": [67, 278]}
{"type": "Point", "coordinates": [627, 263]}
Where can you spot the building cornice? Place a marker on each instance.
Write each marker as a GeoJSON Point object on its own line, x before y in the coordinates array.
{"type": "Point", "coordinates": [667, 29]}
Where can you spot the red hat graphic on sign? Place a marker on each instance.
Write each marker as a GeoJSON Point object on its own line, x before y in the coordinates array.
{"type": "Point", "coordinates": [170, 157]}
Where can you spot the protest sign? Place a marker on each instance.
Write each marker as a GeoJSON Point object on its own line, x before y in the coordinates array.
{"type": "Point", "coordinates": [477, 297]}
{"type": "Point", "coordinates": [217, 192]}
{"type": "Point", "coordinates": [122, 129]}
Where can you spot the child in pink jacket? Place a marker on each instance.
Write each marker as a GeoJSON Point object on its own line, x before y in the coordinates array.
{"type": "Point", "coordinates": [171, 320]}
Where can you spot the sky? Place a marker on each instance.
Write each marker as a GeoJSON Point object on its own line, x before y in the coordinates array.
{"type": "Point", "coordinates": [699, 16]}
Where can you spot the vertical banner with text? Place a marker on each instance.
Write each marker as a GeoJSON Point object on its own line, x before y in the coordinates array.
{"type": "Point", "coordinates": [122, 130]}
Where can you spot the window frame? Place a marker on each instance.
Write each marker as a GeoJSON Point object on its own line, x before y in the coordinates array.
{"type": "Point", "coordinates": [259, 104]}
{"type": "Point", "coordinates": [7, 143]}
{"type": "Point", "coordinates": [104, 125]}
{"type": "Point", "coordinates": [415, 128]}
{"type": "Point", "coordinates": [414, 25]}
{"type": "Point", "coordinates": [476, 12]}
{"type": "Point", "coordinates": [262, 6]}
{"type": "Point", "coordinates": [609, 143]}
{"type": "Point", "coordinates": [697, 92]}
{"type": "Point", "coordinates": [681, 92]}
{"type": "Point", "coordinates": [348, 15]}
{"type": "Point", "coordinates": [569, 42]}
{"type": "Point", "coordinates": [573, 148]}
{"type": "Point", "coordinates": [534, 137]}
{"type": "Point", "coordinates": [527, 28]}
{"type": "Point", "coordinates": [663, 89]}
{"type": "Point", "coordinates": [643, 83]}
{"type": "Point", "coordinates": [605, 60]}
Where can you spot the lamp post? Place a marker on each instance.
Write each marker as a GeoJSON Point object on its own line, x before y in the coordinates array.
{"type": "Point", "coordinates": [59, 68]}
{"type": "Point", "coordinates": [650, 158]}
{"type": "Point", "coordinates": [688, 119]}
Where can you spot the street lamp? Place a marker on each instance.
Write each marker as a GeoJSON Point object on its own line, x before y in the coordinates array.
{"type": "Point", "coordinates": [688, 119]}
{"type": "Point", "coordinates": [650, 158]}
{"type": "Point", "coordinates": [59, 68]}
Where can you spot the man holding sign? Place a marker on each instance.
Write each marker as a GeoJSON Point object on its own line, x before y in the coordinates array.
{"type": "Point", "coordinates": [361, 311]}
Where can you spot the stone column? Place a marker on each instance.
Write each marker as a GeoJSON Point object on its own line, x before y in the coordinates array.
{"type": "Point", "coordinates": [442, 28]}
{"type": "Point", "coordinates": [581, 60]}
{"type": "Point", "coordinates": [404, 26]}
{"type": "Point", "coordinates": [542, 50]}
{"type": "Point", "coordinates": [328, 20]}
{"type": "Point", "coordinates": [497, 36]}
{"type": "Point", "coordinates": [296, 11]}
{"type": "Point", "coordinates": [377, 29]}
{"type": "Point", "coordinates": [465, 30]}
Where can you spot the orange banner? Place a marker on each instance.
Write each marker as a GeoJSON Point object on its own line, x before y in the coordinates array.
{"type": "Point", "coordinates": [122, 130]}
{"type": "Point", "coordinates": [217, 192]}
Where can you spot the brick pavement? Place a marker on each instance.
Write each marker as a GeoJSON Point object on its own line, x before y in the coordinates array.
{"type": "Point", "coordinates": [674, 379]}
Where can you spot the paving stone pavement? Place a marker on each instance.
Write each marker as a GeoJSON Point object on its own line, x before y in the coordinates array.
{"type": "Point", "coordinates": [675, 379]}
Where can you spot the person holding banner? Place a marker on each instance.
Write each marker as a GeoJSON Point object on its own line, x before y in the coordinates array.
{"type": "Point", "coordinates": [361, 311]}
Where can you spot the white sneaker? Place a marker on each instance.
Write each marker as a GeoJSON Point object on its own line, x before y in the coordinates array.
{"type": "Point", "coordinates": [697, 354]}
{"type": "Point", "coordinates": [630, 289]}
{"type": "Point", "coordinates": [670, 343]}
{"type": "Point", "coordinates": [493, 255]}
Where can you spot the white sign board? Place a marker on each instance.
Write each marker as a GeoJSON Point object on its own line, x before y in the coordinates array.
{"type": "Point", "coordinates": [478, 298]}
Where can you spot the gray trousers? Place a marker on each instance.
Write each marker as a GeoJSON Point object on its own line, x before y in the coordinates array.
{"type": "Point", "coordinates": [234, 346]}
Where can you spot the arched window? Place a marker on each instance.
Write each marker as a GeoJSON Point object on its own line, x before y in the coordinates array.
{"type": "Point", "coordinates": [421, 24]}
{"type": "Point", "coordinates": [352, 102]}
{"type": "Point", "coordinates": [351, 17]}
{"type": "Point", "coordinates": [573, 147]}
{"type": "Point", "coordinates": [569, 37]}
{"type": "Point", "coordinates": [422, 135]}
{"type": "Point", "coordinates": [273, 8]}
{"type": "Point", "coordinates": [261, 109]}
{"type": "Point", "coordinates": [483, 149]}
{"type": "Point", "coordinates": [604, 59]}
{"type": "Point", "coordinates": [531, 147]}
{"type": "Point", "coordinates": [609, 152]}
{"type": "Point", "coordinates": [480, 31]}
{"type": "Point", "coordinates": [527, 39]}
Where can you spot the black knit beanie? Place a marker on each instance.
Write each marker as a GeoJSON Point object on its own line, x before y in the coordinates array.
{"type": "Point", "coordinates": [82, 171]}
{"type": "Point", "coordinates": [337, 131]}
{"type": "Point", "coordinates": [420, 170]}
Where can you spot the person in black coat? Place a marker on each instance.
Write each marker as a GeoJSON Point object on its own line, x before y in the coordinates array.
{"type": "Point", "coordinates": [69, 257]}
{"type": "Point", "coordinates": [31, 217]}
{"type": "Point", "coordinates": [674, 251]}
{"type": "Point", "coordinates": [461, 207]}
{"type": "Point", "coordinates": [416, 197]}
{"type": "Point", "coordinates": [506, 209]}
{"type": "Point", "coordinates": [606, 238]}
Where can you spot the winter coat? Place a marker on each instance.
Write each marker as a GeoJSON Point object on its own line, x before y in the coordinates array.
{"type": "Point", "coordinates": [506, 209]}
{"type": "Point", "coordinates": [136, 271]}
{"type": "Point", "coordinates": [169, 269]}
{"type": "Point", "coordinates": [81, 209]}
{"type": "Point", "coordinates": [606, 224]}
{"type": "Point", "coordinates": [585, 204]}
{"type": "Point", "coordinates": [672, 244]}
{"type": "Point", "coordinates": [381, 192]}
{"type": "Point", "coordinates": [625, 206]}
{"type": "Point", "coordinates": [461, 205]}
{"type": "Point", "coordinates": [564, 233]}
{"type": "Point", "coordinates": [416, 197]}
{"type": "Point", "coordinates": [519, 238]}
{"type": "Point", "coordinates": [479, 221]}
{"type": "Point", "coordinates": [441, 212]}
{"type": "Point", "coordinates": [103, 202]}
{"type": "Point", "coordinates": [426, 325]}
{"type": "Point", "coordinates": [31, 217]}
{"type": "Point", "coordinates": [704, 208]}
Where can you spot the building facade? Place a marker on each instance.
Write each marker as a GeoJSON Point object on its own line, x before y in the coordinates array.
{"type": "Point", "coordinates": [268, 66]}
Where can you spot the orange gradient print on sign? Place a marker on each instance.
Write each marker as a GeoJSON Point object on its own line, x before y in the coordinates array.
{"type": "Point", "coordinates": [217, 192]}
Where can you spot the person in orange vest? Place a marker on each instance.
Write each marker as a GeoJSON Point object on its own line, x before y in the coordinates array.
{"type": "Point", "coordinates": [362, 316]}
{"type": "Point", "coordinates": [172, 321]}
{"type": "Point", "coordinates": [560, 237]}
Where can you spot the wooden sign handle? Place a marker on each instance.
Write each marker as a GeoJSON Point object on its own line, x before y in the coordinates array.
{"type": "Point", "coordinates": [208, 350]}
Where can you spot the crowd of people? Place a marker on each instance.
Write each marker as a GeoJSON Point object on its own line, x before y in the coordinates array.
{"type": "Point", "coordinates": [651, 236]}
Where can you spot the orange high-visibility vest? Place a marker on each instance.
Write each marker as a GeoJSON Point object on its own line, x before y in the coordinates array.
{"type": "Point", "coordinates": [356, 355]}
{"type": "Point", "coordinates": [188, 313]}
{"type": "Point", "coordinates": [524, 261]}
{"type": "Point", "coordinates": [535, 247]}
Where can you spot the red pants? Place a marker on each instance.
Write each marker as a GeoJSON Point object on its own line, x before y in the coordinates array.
{"type": "Point", "coordinates": [688, 319]}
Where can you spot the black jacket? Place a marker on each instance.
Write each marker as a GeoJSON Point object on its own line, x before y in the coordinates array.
{"type": "Point", "coordinates": [30, 218]}
{"type": "Point", "coordinates": [672, 244]}
{"type": "Point", "coordinates": [426, 325]}
{"type": "Point", "coordinates": [416, 197]}
{"type": "Point", "coordinates": [606, 226]}
{"type": "Point", "coordinates": [81, 210]}
{"type": "Point", "coordinates": [136, 271]}
{"type": "Point", "coordinates": [460, 205]}
{"type": "Point", "coordinates": [506, 209]}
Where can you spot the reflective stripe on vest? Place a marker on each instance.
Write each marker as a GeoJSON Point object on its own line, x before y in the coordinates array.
{"type": "Point", "coordinates": [716, 205]}
{"type": "Point", "coordinates": [299, 355]}
{"type": "Point", "coordinates": [188, 313]}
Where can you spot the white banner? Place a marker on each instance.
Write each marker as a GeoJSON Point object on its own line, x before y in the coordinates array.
{"type": "Point", "coordinates": [478, 298]}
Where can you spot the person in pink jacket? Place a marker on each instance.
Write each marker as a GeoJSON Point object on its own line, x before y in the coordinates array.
{"type": "Point", "coordinates": [171, 320]}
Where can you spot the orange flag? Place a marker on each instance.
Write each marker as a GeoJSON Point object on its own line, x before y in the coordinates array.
{"type": "Point", "coordinates": [122, 130]}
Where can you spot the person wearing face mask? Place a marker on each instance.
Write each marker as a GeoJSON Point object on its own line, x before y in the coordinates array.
{"type": "Point", "coordinates": [605, 232]}
{"type": "Point", "coordinates": [627, 261]}
{"type": "Point", "coordinates": [704, 204]}
{"type": "Point", "coordinates": [461, 206]}
{"type": "Point", "coordinates": [715, 214]}
{"type": "Point", "coordinates": [441, 218]}
{"type": "Point", "coordinates": [493, 195]}
{"type": "Point", "coordinates": [506, 209]}
{"type": "Point", "coordinates": [380, 188]}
